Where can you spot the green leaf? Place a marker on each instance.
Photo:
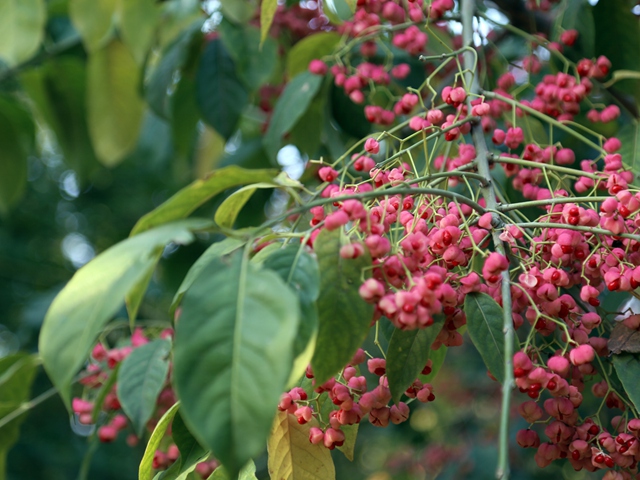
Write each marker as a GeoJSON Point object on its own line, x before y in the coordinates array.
{"type": "Point", "coordinates": [228, 211]}
{"type": "Point", "coordinates": [114, 107]}
{"type": "Point", "coordinates": [95, 294]}
{"type": "Point", "coordinates": [94, 20]}
{"type": "Point", "coordinates": [134, 298]}
{"type": "Point", "coordinates": [343, 9]}
{"type": "Point", "coordinates": [616, 25]}
{"type": "Point", "coordinates": [578, 15]}
{"type": "Point", "coordinates": [292, 104]}
{"type": "Point", "coordinates": [348, 116]}
{"type": "Point", "coordinates": [238, 11]}
{"type": "Point", "coordinates": [192, 196]}
{"type": "Point", "coordinates": [174, 57]}
{"type": "Point", "coordinates": [267, 12]}
{"type": "Point", "coordinates": [407, 354]}
{"type": "Point", "coordinates": [145, 471]}
{"type": "Point", "coordinates": [248, 472]}
{"type": "Point", "coordinates": [307, 133]}
{"type": "Point", "coordinates": [485, 323]}
{"type": "Point", "coordinates": [350, 437]}
{"type": "Point", "coordinates": [138, 23]}
{"type": "Point", "coordinates": [234, 345]}
{"type": "Point", "coordinates": [255, 61]}
{"type": "Point", "coordinates": [299, 270]}
{"type": "Point", "coordinates": [437, 360]}
{"type": "Point", "coordinates": [58, 90]}
{"type": "Point", "coordinates": [220, 94]}
{"type": "Point", "coordinates": [629, 136]}
{"type": "Point", "coordinates": [16, 143]}
{"type": "Point", "coordinates": [141, 378]}
{"type": "Point", "coordinates": [105, 389]}
{"type": "Point", "coordinates": [216, 250]}
{"type": "Point", "coordinates": [344, 318]}
{"type": "Point", "coordinates": [21, 29]}
{"type": "Point", "coordinates": [191, 453]}
{"type": "Point", "coordinates": [16, 376]}
{"type": "Point", "coordinates": [309, 48]}
{"type": "Point", "coordinates": [628, 369]}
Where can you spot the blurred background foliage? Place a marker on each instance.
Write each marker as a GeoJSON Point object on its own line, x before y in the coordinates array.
{"type": "Point", "coordinates": [108, 107]}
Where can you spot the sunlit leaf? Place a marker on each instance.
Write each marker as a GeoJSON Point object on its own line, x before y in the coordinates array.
{"type": "Point", "coordinates": [95, 294]}
{"type": "Point", "coordinates": [145, 471]}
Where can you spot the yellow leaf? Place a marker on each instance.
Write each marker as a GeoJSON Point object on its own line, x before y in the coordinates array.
{"type": "Point", "coordinates": [114, 106]}
{"type": "Point", "coordinates": [292, 456]}
{"type": "Point", "coordinates": [267, 12]}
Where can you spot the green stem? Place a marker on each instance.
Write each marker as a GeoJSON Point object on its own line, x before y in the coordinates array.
{"type": "Point", "coordinates": [489, 194]}
{"type": "Point", "coordinates": [579, 228]}
{"type": "Point", "coordinates": [375, 194]}
{"type": "Point", "coordinates": [545, 118]}
{"type": "Point", "coordinates": [555, 168]}
{"type": "Point", "coordinates": [549, 201]}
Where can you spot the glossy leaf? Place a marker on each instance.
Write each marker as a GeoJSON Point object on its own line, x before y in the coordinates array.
{"type": "Point", "coordinates": [22, 25]}
{"type": "Point", "coordinates": [16, 143]}
{"type": "Point", "coordinates": [192, 196]}
{"type": "Point", "coordinates": [145, 472]}
{"type": "Point", "coordinates": [16, 376]}
{"type": "Point", "coordinates": [300, 271]}
{"type": "Point", "coordinates": [292, 104]}
{"type": "Point", "coordinates": [628, 369]}
{"type": "Point", "coordinates": [309, 48]}
{"type": "Point", "coordinates": [114, 107]}
{"type": "Point", "coordinates": [233, 345]}
{"type": "Point", "coordinates": [141, 378]}
{"type": "Point", "coordinates": [137, 24]}
{"type": "Point", "coordinates": [267, 12]}
{"type": "Point", "coordinates": [292, 456]}
{"type": "Point", "coordinates": [94, 20]}
{"type": "Point", "coordinates": [216, 250]}
{"type": "Point", "coordinates": [221, 96]}
{"type": "Point", "coordinates": [484, 322]}
{"type": "Point", "coordinates": [407, 355]}
{"type": "Point", "coordinates": [95, 294]}
{"type": "Point", "coordinates": [344, 318]}
{"type": "Point", "coordinates": [348, 116]}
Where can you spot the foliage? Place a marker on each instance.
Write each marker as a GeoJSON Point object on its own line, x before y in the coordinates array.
{"type": "Point", "coordinates": [430, 189]}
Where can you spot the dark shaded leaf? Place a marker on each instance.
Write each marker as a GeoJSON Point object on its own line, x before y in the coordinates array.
{"type": "Point", "coordinates": [344, 318]}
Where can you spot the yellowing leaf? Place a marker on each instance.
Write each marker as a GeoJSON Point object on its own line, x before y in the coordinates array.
{"type": "Point", "coordinates": [267, 12]}
{"type": "Point", "coordinates": [114, 107]}
{"type": "Point", "coordinates": [21, 28]}
{"type": "Point", "coordinates": [138, 22]}
{"type": "Point", "coordinates": [94, 20]}
{"type": "Point", "coordinates": [292, 456]}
